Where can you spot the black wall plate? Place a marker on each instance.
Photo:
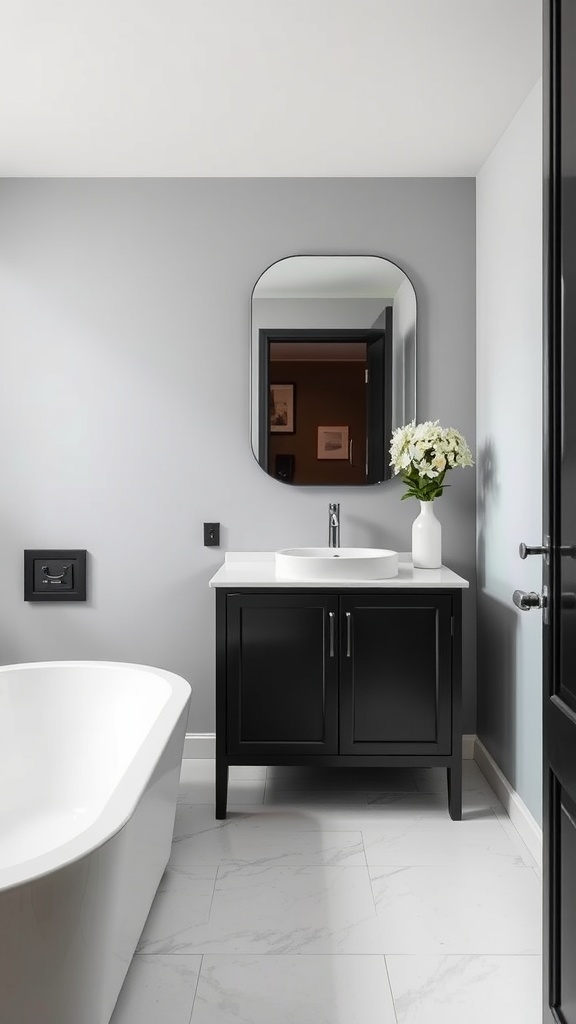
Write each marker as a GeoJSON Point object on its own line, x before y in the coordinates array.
{"type": "Point", "coordinates": [54, 575]}
{"type": "Point", "coordinates": [211, 535]}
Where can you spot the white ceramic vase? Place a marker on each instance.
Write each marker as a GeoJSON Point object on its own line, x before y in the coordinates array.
{"type": "Point", "coordinates": [426, 538]}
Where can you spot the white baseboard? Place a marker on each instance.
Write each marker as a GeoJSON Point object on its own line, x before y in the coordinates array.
{"type": "Point", "coordinates": [523, 821]}
{"type": "Point", "coordinates": [203, 744]}
{"type": "Point", "coordinates": [200, 744]}
{"type": "Point", "coordinates": [468, 747]}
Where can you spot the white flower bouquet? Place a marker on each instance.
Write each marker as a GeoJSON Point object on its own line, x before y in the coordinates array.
{"type": "Point", "coordinates": [422, 453]}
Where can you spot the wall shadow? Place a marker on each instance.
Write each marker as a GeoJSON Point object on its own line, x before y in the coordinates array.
{"type": "Point", "coordinates": [497, 681]}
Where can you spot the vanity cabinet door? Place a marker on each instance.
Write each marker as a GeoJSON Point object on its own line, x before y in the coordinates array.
{"type": "Point", "coordinates": [282, 675]}
{"type": "Point", "coordinates": [396, 674]}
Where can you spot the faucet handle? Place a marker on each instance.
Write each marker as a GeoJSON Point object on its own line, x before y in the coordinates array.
{"type": "Point", "coordinates": [334, 525]}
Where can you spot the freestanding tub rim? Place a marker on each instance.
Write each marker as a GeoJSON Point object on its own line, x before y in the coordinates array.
{"type": "Point", "coordinates": [124, 799]}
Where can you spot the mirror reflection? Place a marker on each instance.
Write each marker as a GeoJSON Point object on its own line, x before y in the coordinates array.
{"type": "Point", "coordinates": [333, 367]}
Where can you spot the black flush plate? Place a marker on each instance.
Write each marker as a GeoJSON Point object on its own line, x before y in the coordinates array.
{"type": "Point", "coordinates": [54, 575]}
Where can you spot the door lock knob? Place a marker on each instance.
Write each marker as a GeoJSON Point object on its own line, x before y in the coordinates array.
{"type": "Point", "coordinates": [525, 601]}
{"type": "Point", "coordinates": [524, 550]}
{"type": "Point", "coordinates": [566, 550]}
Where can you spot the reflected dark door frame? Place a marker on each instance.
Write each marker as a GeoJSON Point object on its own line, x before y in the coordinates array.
{"type": "Point", "coordinates": [379, 405]}
{"type": "Point", "coordinates": [379, 414]}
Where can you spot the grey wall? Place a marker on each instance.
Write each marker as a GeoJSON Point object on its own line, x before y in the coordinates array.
{"type": "Point", "coordinates": [509, 235]}
{"type": "Point", "coordinates": [404, 358]}
{"type": "Point", "coordinates": [124, 395]}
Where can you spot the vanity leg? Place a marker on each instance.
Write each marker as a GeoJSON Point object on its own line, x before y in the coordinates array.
{"type": "Point", "coordinates": [454, 775]}
{"type": "Point", "coordinates": [221, 788]}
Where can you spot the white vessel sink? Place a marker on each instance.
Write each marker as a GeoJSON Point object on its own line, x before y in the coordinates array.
{"type": "Point", "coordinates": [336, 563]}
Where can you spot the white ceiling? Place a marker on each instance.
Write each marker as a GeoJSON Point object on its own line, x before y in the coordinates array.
{"type": "Point", "coordinates": [261, 87]}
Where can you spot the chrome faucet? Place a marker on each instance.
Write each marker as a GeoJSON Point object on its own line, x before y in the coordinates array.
{"type": "Point", "coordinates": [333, 525]}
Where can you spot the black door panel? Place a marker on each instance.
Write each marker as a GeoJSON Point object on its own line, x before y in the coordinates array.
{"type": "Point", "coordinates": [396, 675]}
{"type": "Point", "coordinates": [282, 674]}
{"type": "Point", "coordinates": [559, 577]}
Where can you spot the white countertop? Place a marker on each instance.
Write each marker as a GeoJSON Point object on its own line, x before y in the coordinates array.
{"type": "Point", "coordinates": [258, 569]}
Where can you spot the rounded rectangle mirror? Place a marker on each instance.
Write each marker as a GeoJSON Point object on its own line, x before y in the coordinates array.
{"type": "Point", "coordinates": [333, 364]}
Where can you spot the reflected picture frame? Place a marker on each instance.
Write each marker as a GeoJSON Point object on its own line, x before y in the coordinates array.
{"type": "Point", "coordinates": [332, 443]}
{"type": "Point", "coordinates": [281, 408]}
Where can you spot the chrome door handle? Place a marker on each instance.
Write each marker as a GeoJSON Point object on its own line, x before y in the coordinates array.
{"type": "Point", "coordinates": [331, 622]}
{"type": "Point", "coordinates": [525, 601]}
{"type": "Point", "coordinates": [566, 550]}
{"type": "Point", "coordinates": [348, 633]}
{"type": "Point", "coordinates": [524, 550]}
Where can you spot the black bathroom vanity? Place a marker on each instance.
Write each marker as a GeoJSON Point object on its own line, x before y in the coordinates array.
{"type": "Point", "coordinates": [338, 673]}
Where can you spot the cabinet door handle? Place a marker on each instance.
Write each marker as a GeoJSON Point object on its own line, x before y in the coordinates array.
{"type": "Point", "coordinates": [348, 633]}
{"type": "Point", "coordinates": [331, 621]}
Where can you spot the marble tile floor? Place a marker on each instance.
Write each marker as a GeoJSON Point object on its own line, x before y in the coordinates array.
{"type": "Point", "coordinates": [339, 897]}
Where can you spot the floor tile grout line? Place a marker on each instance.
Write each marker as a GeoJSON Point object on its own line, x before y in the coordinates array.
{"type": "Point", "coordinates": [365, 855]}
{"type": "Point", "coordinates": [446, 956]}
{"type": "Point", "coordinates": [370, 880]}
{"type": "Point", "coordinates": [390, 987]}
{"type": "Point", "coordinates": [216, 876]}
{"type": "Point", "coordinates": [269, 953]}
{"type": "Point", "coordinates": [474, 861]}
{"type": "Point", "coordinates": [196, 988]}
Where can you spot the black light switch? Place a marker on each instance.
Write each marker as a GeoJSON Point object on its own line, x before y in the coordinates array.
{"type": "Point", "coordinates": [211, 535]}
{"type": "Point", "coordinates": [55, 575]}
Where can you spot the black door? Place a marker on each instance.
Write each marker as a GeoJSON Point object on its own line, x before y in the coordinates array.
{"type": "Point", "coordinates": [560, 514]}
{"type": "Point", "coordinates": [282, 675]}
{"type": "Point", "coordinates": [395, 693]}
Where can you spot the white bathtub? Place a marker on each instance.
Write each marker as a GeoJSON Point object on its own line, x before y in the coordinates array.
{"type": "Point", "coordinates": [90, 756]}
